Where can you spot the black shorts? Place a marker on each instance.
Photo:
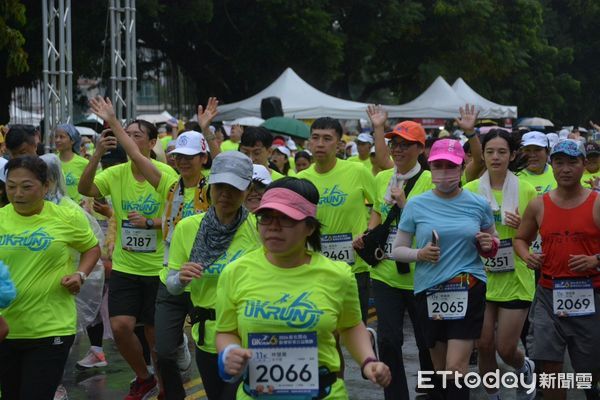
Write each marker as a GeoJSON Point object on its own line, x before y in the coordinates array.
{"type": "Point", "coordinates": [133, 295]}
{"type": "Point", "coordinates": [466, 328]}
{"type": "Point", "coordinates": [512, 304]}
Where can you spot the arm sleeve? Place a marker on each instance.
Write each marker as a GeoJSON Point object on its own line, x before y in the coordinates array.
{"type": "Point", "coordinates": [178, 255]}
{"type": "Point", "coordinates": [225, 305]}
{"type": "Point", "coordinates": [82, 237]}
{"type": "Point", "coordinates": [401, 249]}
{"type": "Point", "coordinates": [368, 185]}
{"type": "Point", "coordinates": [350, 314]}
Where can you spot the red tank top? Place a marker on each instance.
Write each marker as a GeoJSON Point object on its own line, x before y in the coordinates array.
{"type": "Point", "coordinates": [565, 232]}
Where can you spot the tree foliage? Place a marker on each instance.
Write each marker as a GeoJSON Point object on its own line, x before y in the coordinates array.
{"type": "Point", "coordinates": [540, 55]}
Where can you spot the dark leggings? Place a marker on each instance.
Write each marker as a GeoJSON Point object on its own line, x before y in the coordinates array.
{"type": "Point", "coordinates": [215, 388]}
{"type": "Point", "coordinates": [95, 333]}
{"type": "Point", "coordinates": [33, 368]}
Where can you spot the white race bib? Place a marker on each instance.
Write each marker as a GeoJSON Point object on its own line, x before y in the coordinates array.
{"type": "Point", "coordinates": [536, 246]}
{"type": "Point", "coordinates": [573, 297]}
{"type": "Point", "coordinates": [448, 301]}
{"type": "Point", "coordinates": [138, 240]}
{"type": "Point", "coordinates": [504, 260]}
{"type": "Point", "coordinates": [286, 362]}
{"type": "Point", "coordinates": [338, 247]}
{"type": "Point", "coordinates": [390, 242]}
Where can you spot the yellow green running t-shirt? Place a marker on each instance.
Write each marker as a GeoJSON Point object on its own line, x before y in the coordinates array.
{"type": "Point", "coordinates": [204, 290]}
{"type": "Point", "coordinates": [36, 250]}
{"type": "Point", "coordinates": [128, 194]}
{"type": "Point", "coordinates": [255, 296]}
{"type": "Point", "coordinates": [72, 170]}
{"type": "Point", "coordinates": [386, 270]}
{"type": "Point", "coordinates": [542, 183]}
{"type": "Point", "coordinates": [518, 284]}
{"type": "Point", "coordinates": [343, 191]}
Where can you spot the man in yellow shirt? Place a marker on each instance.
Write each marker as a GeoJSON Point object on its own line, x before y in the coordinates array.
{"type": "Point", "coordinates": [256, 143]}
{"type": "Point", "coordinates": [343, 187]}
{"type": "Point", "coordinates": [364, 141]}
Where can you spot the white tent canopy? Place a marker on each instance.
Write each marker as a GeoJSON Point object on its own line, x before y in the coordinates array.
{"type": "Point", "coordinates": [488, 109]}
{"type": "Point", "coordinates": [298, 99]}
{"type": "Point", "coordinates": [161, 118]}
{"type": "Point", "coordinates": [439, 100]}
{"type": "Point", "coordinates": [20, 116]}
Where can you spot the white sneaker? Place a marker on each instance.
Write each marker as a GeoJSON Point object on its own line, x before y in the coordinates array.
{"type": "Point", "coordinates": [92, 359]}
{"type": "Point", "coordinates": [61, 393]}
{"type": "Point", "coordinates": [528, 379]}
{"type": "Point", "coordinates": [184, 358]}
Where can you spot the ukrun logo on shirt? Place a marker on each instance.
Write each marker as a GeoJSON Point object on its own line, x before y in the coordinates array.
{"type": "Point", "coordinates": [70, 179]}
{"type": "Point", "coordinates": [216, 268]}
{"type": "Point", "coordinates": [147, 206]}
{"type": "Point", "coordinates": [38, 240]}
{"type": "Point", "coordinates": [333, 197]}
{"type": "Point", "coordinates": [297, 312]}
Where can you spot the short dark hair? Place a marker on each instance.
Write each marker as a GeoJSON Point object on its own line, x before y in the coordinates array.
{"type": "Point", "coordinates": [309, 191]}
{"type": "Point", "coordinates": [192, 126]}
{"type": "Point", "coordinates": [328, 123]}
{"type": "Point", "coordinates": [303, 154]}
{"type": "Point", "coordinates": [34, 164]}
{"type": "Point", "coordinates": [19, 134]}
{"type": "Point", "coordinates": [253, 134]}
{"type": "Point", "coordinates": [147, 127]}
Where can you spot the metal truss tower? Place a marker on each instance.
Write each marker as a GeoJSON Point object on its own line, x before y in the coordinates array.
{"type": "Point", "coordinates": [123, 75]}
{"type": "Point", "coordinates": [58, 68]}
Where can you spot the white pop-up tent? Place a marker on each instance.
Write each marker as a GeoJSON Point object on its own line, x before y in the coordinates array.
{"type": "Point", "coordinates": [488, 109]}
{"type": "Point", "coordinates": [439, 100]}
{"type": "Point", "coordinates": [298, 99]}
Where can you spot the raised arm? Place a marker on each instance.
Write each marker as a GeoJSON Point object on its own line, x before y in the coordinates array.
{"type": "Point", "coordinates": [466, 122]}
{"type": "Point", "coordinates": [205, 117]}
{"type": "Point", "coordinates": [378, 117]}
{"type": "Point", "coordinates": [86, 185]}
{"type": "Point", "coordinates": [104, 109]}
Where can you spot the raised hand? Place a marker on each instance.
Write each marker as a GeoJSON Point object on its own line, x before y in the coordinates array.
{"type": "Point", "coordinates": [468, 117]}
{"type": "Point", "coordinates": [377, 114]}
{"type": "Point", "coordinates": [103, 108]}
{"type": "Point", "coordinates": [205, 116]}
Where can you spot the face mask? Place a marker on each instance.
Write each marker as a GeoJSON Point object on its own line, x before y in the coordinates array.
{"type": "Point", "coordinates": [446, 180]}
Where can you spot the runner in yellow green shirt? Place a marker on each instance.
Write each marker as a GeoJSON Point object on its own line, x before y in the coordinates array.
{"type": "Point", "coordinates": [364, 141]}
{"type": "Point", "coordinates": [35, 241]}
{"type": "Point", "coordinates": [510, 284]}
{"type": "Point", "coordinates": [256, 143]}
{"type": "Point", "coordinates": [203, 245]}
{"type": "Point", "coordinates": [592, 165]}
{"type": "Point", "coordinates": [280, 338]}
{"type": "Point", "coordinates": [344, 187]}
{"type": "Point", "coordinates": [68, 141]}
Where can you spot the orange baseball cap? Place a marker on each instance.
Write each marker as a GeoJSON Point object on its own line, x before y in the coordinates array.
{"type": "Point", "coordinates": [409, 130]}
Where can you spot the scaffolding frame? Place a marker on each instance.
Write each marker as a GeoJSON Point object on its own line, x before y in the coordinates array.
{"type": "Point", "coordinates": [57, 67]}
{"type": "Point", "coordinates": [123, 75]}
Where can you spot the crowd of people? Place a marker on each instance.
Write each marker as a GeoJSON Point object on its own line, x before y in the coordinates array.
{"type": "Point", "coordinates": [272, 247]}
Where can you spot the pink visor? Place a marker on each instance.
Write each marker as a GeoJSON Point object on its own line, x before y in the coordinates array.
{"type": "Point", "coordinates": [447, 149]}
{"type": "Point", "coordinates": [287, 202]}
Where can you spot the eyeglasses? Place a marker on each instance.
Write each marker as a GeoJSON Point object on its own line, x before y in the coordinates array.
{"type": "Point", "coordinates": [186, 157]}
{"type": "Point", "coordinates": [282, 220]}
{"type": "Point", "coordinates": [402, 145]}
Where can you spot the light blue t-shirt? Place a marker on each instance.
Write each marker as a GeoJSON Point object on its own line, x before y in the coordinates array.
{"type": "Point", "coordinates": [457, 221]}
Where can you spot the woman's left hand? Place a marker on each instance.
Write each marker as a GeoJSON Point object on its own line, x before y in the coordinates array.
{"type": "Point", "coordinates": [485, 241]}
{"type": "Point", "coordinates": [378, 373]}
{"type": "Point", "coordinates": [72, 283]}
{"type": "Point", "coordinates": [512, 220]}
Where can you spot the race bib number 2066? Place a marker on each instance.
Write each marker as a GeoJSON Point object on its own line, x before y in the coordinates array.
{"type": "Point", "coordinates": [284, 364]}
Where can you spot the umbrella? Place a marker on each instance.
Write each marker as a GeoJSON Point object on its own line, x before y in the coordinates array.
{"type": "Point", "coordinates": [535, 121]}
{"type": "Point", "coordinates": [288, 126]}
{"type": "Point", "coordinates": [247, 121]}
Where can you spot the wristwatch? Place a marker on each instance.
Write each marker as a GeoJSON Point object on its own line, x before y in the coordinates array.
{"type": "Point", "coordinates": [470, 135]}
{"type": "Point", "coordinates": [83, 276]}
{"type": "Point", "coordinates": [149, 223]}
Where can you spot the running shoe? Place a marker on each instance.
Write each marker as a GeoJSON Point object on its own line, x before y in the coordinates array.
{"type": "Point", "coordinates": [61, 393]}
{"type": "Point", "coordinates": [92, 359]}
{"type": "Point", "coordinates": [184, 358]}
{"type": "Point", "coordinates": [140, 389]}
{"type": "Point", "coordinates": [528, 379]}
